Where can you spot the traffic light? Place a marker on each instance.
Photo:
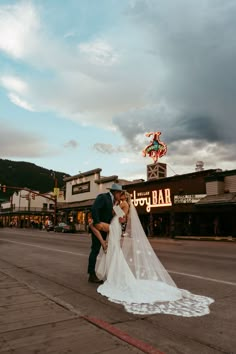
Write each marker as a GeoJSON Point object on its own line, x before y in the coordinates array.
{"type": "Point", "coordinates": [4, 188]}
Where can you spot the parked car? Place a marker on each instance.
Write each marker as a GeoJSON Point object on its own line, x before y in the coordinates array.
{"type": "Point", "coordinates": [63, 227]}
{"type": "Point", "coordinates": [49, 226]}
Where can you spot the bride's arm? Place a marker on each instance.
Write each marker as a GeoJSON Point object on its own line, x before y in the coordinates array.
{"type": "Point", "coordinates": [102, 226]}
{"type": "Point", "coordinates": [97, 233]}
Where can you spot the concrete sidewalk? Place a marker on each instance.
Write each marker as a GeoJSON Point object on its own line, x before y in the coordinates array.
{"type": "Point", "coordinates": [30, 322]}
{"type": "Point", "coordinates": [192, 238]}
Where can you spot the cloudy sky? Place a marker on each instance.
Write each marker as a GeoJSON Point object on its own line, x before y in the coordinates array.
{"type": "Point", "coordinates": [81, 82]}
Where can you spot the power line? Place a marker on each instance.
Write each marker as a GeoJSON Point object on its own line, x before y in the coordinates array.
{"type": "Point", "coordinates": [171, 169]}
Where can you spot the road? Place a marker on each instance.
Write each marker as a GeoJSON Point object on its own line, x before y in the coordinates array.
{"type": "Point", "coordinates": [56, 264]}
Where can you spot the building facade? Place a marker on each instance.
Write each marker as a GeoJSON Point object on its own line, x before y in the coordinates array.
{"type": "Point", "coordinates": [167, 206]}
{"type": "Point", "coordinates": [80, 193]}
{"type": "Point", "coordinates": [30, 209]}
{"type": "Point", "coordinates": [201, 203]}
{"type": "Point", "coordinates": [219, 205]}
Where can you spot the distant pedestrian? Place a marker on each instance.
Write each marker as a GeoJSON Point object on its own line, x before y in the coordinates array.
{"type": "Point", "coordinates": [216, 226]}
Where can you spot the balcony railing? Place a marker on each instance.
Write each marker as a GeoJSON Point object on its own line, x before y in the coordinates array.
{"type": "Point", "coordinates": [21, 209]}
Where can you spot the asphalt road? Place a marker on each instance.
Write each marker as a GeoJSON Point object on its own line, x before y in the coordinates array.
{"type": "Point", "coordinates": [57, 265]}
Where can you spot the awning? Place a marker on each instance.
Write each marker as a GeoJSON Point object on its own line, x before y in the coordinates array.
{"type": "Point", "coordinates": [219, 199]}
{"type": "Point", "coordinates": [76, 205]}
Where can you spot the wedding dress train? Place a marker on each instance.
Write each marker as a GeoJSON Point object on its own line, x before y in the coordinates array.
{"type": "Point", "coordinates": [134, 277]}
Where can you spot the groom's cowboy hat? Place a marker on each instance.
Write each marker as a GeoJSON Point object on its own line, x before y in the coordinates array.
{"type": "Point", "coordinates": [116, 188]}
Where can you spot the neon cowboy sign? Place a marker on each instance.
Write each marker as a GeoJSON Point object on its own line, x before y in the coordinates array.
{"type": "Point", "coordinates": [152, 199]}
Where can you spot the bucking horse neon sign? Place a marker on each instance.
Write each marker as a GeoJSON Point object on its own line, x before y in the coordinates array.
{"type": "Point", "coordinates": [156, 148]}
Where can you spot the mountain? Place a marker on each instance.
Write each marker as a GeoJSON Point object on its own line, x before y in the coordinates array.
{"type": "Point", "coordinates": [25, 174]}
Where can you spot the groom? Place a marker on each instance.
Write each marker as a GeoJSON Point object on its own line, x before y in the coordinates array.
{"type": "Point", "coordinates": [102, 211]}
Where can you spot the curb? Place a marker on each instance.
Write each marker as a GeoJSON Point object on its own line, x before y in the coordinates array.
{"type": "Point", "coordinates": [207, 238]}
{"type": "Point", "coordinates": [146, 348]}
{"type": "Point", "coordinates": [193, 238]}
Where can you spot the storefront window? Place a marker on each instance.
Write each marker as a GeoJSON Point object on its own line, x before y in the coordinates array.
{"type": "Point", "coordinates": [81, 217]}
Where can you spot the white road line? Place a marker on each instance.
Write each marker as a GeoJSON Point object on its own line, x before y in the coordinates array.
{"type": "Point", "coordinates": [86, 255]}
{"type": "Point", "coordinates": [203, 278]}
{"type": "Point", "coordinates": [45, 248]}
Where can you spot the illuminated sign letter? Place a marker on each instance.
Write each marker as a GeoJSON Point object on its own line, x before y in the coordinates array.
{"type": "Point", "coordinates": [154, 197]}
{"type": "Point", "coordinates": [160, 198]}
{"type": "Point", "coordinates": [167, 196]}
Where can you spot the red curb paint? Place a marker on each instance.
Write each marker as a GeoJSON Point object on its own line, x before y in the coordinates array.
{"type": "Point", "coordinates": [146, 348]}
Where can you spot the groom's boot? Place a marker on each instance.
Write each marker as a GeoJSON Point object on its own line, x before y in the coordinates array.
{"type": "Point", "coordinates": [94, 279]}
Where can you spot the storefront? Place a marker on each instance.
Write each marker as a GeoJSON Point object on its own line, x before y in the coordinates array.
{"type": "Point", "coordinates": [29, 209]}
{"type": "Point", "coordinates": [81, 191]}
{"type": "Point", "coordinates": [77, 213]}
{"type": "Point", "coordinates": [220, 211]}
{"type": "Point", "coordinates": [25, 218]}
{"type": "Point", "coordinates": [167, 206]}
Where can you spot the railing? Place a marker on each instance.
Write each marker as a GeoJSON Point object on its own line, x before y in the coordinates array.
{"type": "Point", "coordinates": [19, 209]}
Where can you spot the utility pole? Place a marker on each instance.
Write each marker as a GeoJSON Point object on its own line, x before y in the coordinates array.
{"type": "Point", "coordinates": [55, 191]}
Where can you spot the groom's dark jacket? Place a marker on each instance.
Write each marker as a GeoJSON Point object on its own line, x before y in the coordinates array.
{"type": "Point", "coordinates": [102, 208]}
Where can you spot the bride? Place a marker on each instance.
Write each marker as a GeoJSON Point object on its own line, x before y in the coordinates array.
{"type": "Point", "coordinates": [134, 277]}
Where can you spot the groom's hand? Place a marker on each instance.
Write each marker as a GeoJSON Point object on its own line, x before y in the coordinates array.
{"type": "Point", "coordinates": [122, 220]}
{"type": "Point", "coordinates": [104, 246]}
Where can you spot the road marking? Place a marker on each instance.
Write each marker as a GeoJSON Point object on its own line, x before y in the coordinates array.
{"type": "Point", "coordinates": [203, 278]}
{"type": "Point", "coordinates": [85, 255]}
{"type": "Point", "coordinates": [45, 248]}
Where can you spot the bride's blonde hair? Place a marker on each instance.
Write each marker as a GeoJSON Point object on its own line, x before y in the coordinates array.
{"type": "Point", "coordinates": [127, 197]}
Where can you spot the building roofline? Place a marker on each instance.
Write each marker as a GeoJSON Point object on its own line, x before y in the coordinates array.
{"type": "Point", "coordinates": [175, 177]}
{"type": "Point", "coordinates": [106, 179]}
{"type": "Point", "coordinates": [77, 204]}
{"type": "Point", "coordinates": [219, 175]}
{"type": "Point", "coordinates": [82, 174]}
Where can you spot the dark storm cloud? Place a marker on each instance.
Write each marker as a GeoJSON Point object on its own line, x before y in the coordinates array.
{"type": "Point", "coordinates": [199, 128]}
{"type": "Point", "coordinates": [172, 128]}
{"type": "Point", "coordinates": [195, 44]}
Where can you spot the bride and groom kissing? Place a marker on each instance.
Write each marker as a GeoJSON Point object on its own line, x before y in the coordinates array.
{"type": "Point", "coordinates": [102, 214]}
{"type": "Point", "coordinates": [127, 269]}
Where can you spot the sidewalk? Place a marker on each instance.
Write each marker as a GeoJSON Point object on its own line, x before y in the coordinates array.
{"type": "Point", "coordinates": [193, 238]}
{"type": "Point", "coordinates": [207, 238]}
{"type": "Point", "coordinates": [30, 322]}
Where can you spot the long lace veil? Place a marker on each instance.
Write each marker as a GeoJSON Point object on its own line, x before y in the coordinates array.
{"type": "Point", "coordinates": [151, 290]}
{"type": "Point", "coordinates": [139, 254]}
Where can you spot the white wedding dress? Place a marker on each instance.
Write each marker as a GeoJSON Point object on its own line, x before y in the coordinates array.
{"type": "Point", "coordinates": [134, 276]}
